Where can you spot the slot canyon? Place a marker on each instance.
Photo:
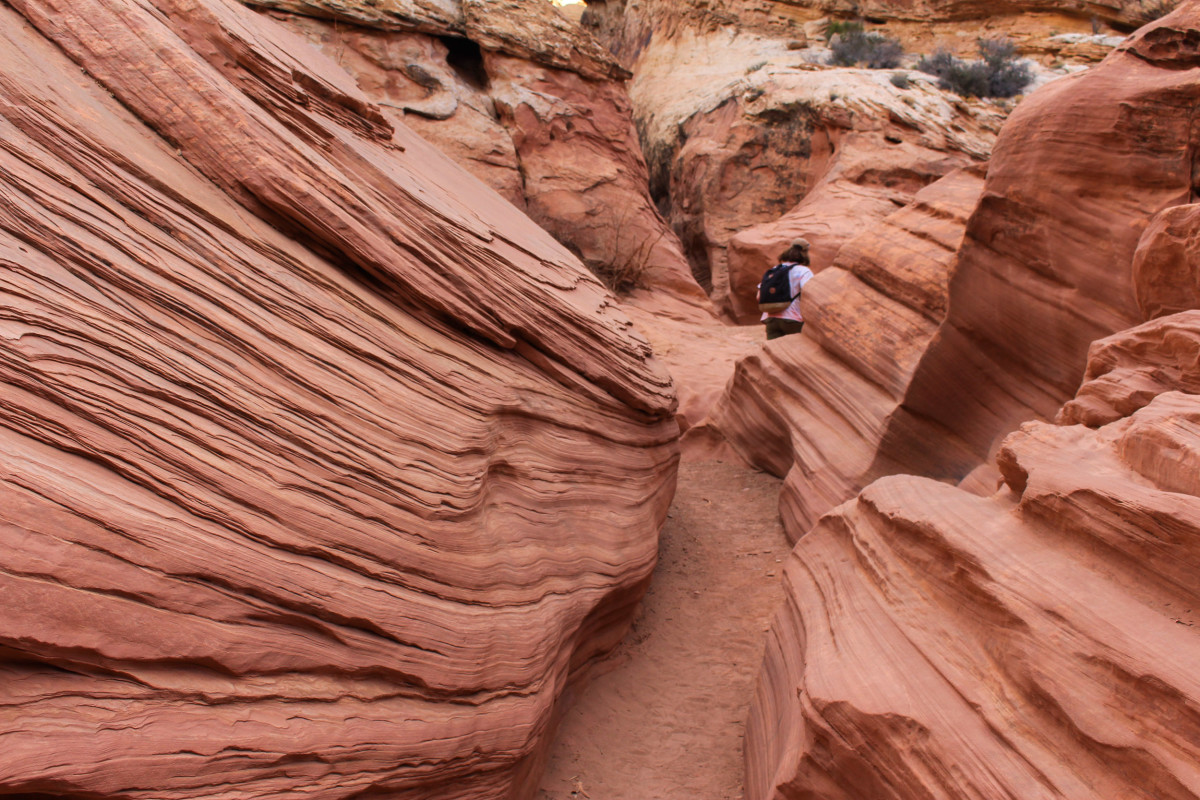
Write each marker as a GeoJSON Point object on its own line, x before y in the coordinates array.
{"type": "Point", "coordinates": [386, 411]}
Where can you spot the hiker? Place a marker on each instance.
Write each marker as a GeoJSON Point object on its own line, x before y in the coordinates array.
{"type": "Point", "coordinates": [779, 291]}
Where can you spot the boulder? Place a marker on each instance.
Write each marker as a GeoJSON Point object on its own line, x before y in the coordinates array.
{"type": "Point", "coordinates": [324, 468]}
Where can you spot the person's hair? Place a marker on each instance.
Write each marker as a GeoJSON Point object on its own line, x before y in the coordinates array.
{"type": "Point", "coordinates": [797, 253]}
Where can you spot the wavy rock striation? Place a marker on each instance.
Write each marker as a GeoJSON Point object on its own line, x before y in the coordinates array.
{"type": "Point", "coordinates": [739, 132]}
{"type": "Point", "coordinates": [1079, 171]}
{"type": "Point", "coordinates": [322, 466]}
{"type": "Point", "coordinates": [525, 100]}
{"type": "Point", "coordinates": [1038, 643]}
{"type": "Point", "coordinates": [814, 407]}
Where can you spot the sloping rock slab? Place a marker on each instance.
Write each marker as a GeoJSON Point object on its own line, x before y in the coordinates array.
{"type": "Point", "coordinates": [1081, 168]}
{"type": "Point", "coordinates": [815, 407]}
{"type": "Point", "coordinates": [1039, 643]}
{"type": "Point", "coordinates": [321, 469]}
{"type": "Point", "coordinates": [525, 100]}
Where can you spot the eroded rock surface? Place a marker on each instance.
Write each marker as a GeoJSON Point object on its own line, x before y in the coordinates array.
{"type": "Point", "coordinates": [814, 407]}
{"type": "Point", "coordinates": [1036, 643]}
{"type": "Point", "coordinates": [304, 432]}
{"type": "Point", "coordinates": [1166, 264]}
{"type": "Point", "coordinates": [527, 29]}
{"type": "Point", "coordinates": [585, 180]}
{"type": "Point", "coordinates": [1079, 171]}
{"type": "Point", "coordinates": [739, 131]}
{"type": "Point", "coordinates": [525, 100]}
{"type": "Point", "coordinates": [1129, 369]}
{"type": "Point", "coordinates": [872, 174]}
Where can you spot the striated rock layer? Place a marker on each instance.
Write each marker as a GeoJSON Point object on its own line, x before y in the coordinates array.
{"type": "Point", "coordinates": [323, 466]}
{"type": "Point", "coordinates": [1038, 643]}
{"type": "Point", "coordinates": [525, 100]}
{"type": "Point", "coordinates": [815, 407]}
{"type": "Point", "coordinates": [739, 131]}
{"type": "Point", "coordinates": [1079, 171]}
{"type": "Point", "coordinates": [743, 122]}
{"type": "Point", "coordinates": [1078, 233]}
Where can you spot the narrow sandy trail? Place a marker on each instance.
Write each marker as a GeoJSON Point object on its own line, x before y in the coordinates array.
{"type": "Point", "coordinates": [663, 718]}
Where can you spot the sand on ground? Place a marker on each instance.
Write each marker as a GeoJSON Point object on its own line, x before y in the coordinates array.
{"type": "Point", "coordinates": [663, 717]}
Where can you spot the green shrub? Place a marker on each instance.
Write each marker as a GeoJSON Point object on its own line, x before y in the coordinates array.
{"type": "Point", "coordinates": [997, 73]}
{"type": "Point", "coordinates": [852, 46]}
{"type": "Point", "coordinates": [899, 80]}
{"type": "Point", "coordinates": [835, 26]}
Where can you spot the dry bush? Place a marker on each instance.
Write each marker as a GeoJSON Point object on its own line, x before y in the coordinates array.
{"type": "Point", "coordinates": [853, 46]}
{"type": "Point", "coordinates": [628, 266]}
{"type": "Point", "coordinates": [998, 72]}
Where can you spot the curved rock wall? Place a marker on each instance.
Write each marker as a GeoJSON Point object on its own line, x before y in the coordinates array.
{"type": "Point", "coordinates": [322, 468]}
{"type": "Point", "coordinates": [1038, 643]}
{"type": "Point", "coordinates": [740, 131]}
{"type": "Point", "coordinates": [525, 100]}
{"type": "Point", "coordinates": [1079, 171]}
{"type": "Point", "coordinates": [814, 407]}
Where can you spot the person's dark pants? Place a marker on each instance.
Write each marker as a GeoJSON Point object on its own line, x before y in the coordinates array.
{"type": "Point", "coordinates": [777, 327]}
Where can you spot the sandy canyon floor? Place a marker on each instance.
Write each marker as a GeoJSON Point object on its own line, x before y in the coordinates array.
{"type": "Point", "coordinates": [663, 717]}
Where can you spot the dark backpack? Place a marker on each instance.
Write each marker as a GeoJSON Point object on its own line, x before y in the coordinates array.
{"type": "Point", "coordinates": [775, 289]}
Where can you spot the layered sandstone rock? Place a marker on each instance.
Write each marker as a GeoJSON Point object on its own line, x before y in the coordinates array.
{"type": "Point", "coordinates": [437, 86]}
{"type": "Point", "coordinates": [304, 431]}
{"type": "Point", "coordinates": [525, 100]}
{"type": "Point", "coordinates": [1037, 643]}
{"type": "Point", "coordinates": [1125, 12]}
{"type": "Point", "coordinates": [735, 138]}
{"type": "Point", "coordinates": [630, 28]}
{"type": "Point", "coordinates": [1129, 369]}
{"type": "Point", "coordinates": [527, 29]}
{"type": "Point", "coordinates": [814, 407]}
{"type": "Point", "coordinates": [874, 174]}
{"type": "Point", "coordinates": [1081, 168]}
{"type": "Point", "coordinates": [584, 177]}
{"type": "Point", "coordinates": [1166, 265]}
{"type": "Point", "coordinates": [739, 130]}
